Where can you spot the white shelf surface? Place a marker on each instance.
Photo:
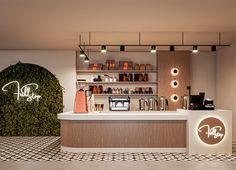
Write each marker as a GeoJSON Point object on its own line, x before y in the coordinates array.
{"type": "Point", "coordinates": [115, 71]}
{"type": "Point", "coordinates": [125, 115]}
{"type": "Point", "coordinates": [118, 82]}
{"type": "Point", "coordinates": [104, 95]}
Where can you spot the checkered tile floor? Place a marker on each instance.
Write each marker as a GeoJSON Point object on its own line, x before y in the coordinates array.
{"type": "Point", "coordinates": [48, 149]}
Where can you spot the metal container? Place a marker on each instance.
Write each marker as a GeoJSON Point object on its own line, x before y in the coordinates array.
{"type": "Point", "coordinates": [163, 102]}
{"type": "Point", "coordinates": [142, 104]}
{"type": "Point", "coordinates": [152, 104]}
{"type": "Point", "coordinates": [185, 102]}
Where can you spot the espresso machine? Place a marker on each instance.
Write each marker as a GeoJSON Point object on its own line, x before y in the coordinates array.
{"type": "Point", "coordinates": [163, 103]}
{"type": "Point", "coordinates": [119, 103]}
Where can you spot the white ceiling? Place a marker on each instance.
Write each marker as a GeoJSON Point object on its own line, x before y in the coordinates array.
{"type": "Point", "coordinates": [55, 24]}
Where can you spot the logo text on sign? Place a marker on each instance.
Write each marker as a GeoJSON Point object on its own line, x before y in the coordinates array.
{"type": "Point", "coordinates": [24, 91]}
{"type": "Point", "coordinates": [211, 130]}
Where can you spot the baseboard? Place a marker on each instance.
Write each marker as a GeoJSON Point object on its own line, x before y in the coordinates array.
{"type": "Point", "coordinates": [104, 150]}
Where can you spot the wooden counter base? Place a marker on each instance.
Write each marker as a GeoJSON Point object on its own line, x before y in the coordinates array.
{"type": "Point", "coordinates": [123, 133]}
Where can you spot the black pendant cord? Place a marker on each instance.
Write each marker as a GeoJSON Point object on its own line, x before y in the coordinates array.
{"type": "Point", "coordinates": [219, 38]}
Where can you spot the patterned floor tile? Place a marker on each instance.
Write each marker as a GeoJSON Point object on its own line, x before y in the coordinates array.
{"type": "Point", "coordinates": [48, 149]}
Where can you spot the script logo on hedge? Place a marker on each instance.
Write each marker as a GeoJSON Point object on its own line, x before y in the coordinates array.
{"type": "Point", "coordinates": [211, 130]}
{"type": "Point", "coordinates": [24, 91]}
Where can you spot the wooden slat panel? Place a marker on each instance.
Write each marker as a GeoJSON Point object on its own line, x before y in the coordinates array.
{"type": "Point", "coordinates": [166, 61]}
{"type": "Point", "coordinates": [113, 134]}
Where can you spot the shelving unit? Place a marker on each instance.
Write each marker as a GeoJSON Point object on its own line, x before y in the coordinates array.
{"type": "Point", "coordinates": [138, 58]}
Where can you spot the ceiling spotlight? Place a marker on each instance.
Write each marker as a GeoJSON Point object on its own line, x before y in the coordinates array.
{"type": "Point", "coordinates": [213, 48]}
{"type": "Point", "coordinates": [153, 49]}
{"type": "Point", "coordinates": [195, 49]}
{"type": "Point", "coordinates": [172, 48]}
{"type": "Point", "coordinates": [103, 49]}
{"type": "Point", "coordinates": [86, 60]}
{"type": "Point", "coordinates": [82, 54]}
{"type": "Point", "coordinates": [122, 48]}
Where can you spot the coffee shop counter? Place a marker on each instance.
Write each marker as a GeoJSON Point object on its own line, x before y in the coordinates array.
{"type": "Point", "coordinates": [125, 115]}
{"type": "Point", "coordinates": [144, 131]}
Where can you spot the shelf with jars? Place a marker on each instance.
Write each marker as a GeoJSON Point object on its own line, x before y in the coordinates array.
{"type": "Point", "coordinates": [118, 78]}
{"type": "Point", "coordinates": [122, 78]}
{"type": "Point", "coordinates": [119, 91]}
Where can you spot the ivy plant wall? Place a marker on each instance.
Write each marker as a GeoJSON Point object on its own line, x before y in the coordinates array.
{"type": "Point", "coordinates": [30, 98]}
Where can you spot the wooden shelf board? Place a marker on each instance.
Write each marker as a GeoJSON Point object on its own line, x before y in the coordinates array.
{"type": "Point", "coordinates": [118, 83]}
{"type": "Point", "coordinates": [124, 95]}
{"type": "Point", "coordinates": [116, 71]}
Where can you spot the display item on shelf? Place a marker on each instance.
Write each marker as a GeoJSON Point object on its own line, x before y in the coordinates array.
{"type": "Point", "coordinates": [95, 66]}
{"type": "Point", "coordinates": [137, 67]}
{"type": "Point", "coordinates": [110, 65]}
{"type": "Point", "coordinates": [142, 67]}
{"type": "Point", "coordinates": [148, 67]}
{"type": "Point", "coordinates": [125, 65]}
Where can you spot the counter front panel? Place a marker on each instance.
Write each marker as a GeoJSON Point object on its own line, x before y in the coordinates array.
{"type": "Point", "coordinates": [198, 132]}
{"type": "Point", "coordinates": [124, 133]}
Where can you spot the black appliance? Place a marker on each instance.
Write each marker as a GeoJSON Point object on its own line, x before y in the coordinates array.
{"type": "Point", "coordinates": [198, 102]}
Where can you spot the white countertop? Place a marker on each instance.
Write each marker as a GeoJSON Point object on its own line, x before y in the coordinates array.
{"type": "Point", "coordinates": [125, 115]}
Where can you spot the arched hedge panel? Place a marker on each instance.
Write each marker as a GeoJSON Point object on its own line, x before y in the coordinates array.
{"type": "Point", "coordinates": [28, 109]}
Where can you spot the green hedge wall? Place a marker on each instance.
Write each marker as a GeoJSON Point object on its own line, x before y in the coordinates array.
{"type": "Point", "coordinates": [35, 118]}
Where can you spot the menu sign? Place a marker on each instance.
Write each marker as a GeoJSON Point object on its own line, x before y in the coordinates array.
{"type": "Point", "coordinates": [211, 130]}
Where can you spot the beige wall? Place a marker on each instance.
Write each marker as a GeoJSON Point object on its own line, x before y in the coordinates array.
{"type": "Point", "coordinates": [203, 73]}
{"type": "Point", "coordinates": [226, 81]}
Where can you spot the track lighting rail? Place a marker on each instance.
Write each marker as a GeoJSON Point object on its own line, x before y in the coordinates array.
{"type": "Point", "coordinates": [84, 50]}
{"type": "Point", "coordinates": [160, 45]}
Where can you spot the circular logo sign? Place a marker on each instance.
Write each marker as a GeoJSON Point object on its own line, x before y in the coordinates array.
{"type": "Point", "coordinates": [211, 130]}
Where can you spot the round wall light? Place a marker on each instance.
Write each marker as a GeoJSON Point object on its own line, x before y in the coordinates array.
{"type": "Point", "coordinates": [174, 83]}
{"type": "Point", "coordinates": [174, 71]}
{"type": "Point", "coordinates": [174, 98]}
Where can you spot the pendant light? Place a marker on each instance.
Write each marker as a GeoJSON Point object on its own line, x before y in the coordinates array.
{"type": "Point", "coordinates": [153, 49]}
{"type": "Point", "coordinates": [172, 48]}
{"type": "Point", "coordinates": [213, 48]}
{"type": "Point", "coordinates": [195, 49]}
{"type": "Point", "coordinates": [103, 49]}
{"type": "Point", "coordinates": [122, 48]}
{"type": "Point", "coordinates": [86, 60]}
{"type": "Point", "coordinates": [82, 54]}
